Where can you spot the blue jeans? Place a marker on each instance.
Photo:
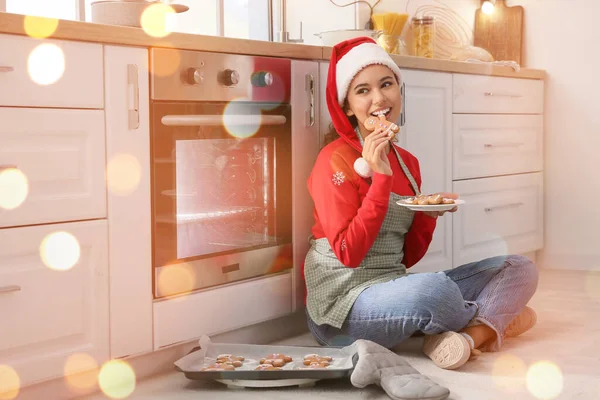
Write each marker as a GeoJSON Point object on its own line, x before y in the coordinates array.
{"type": "Point", "coordinates": [492, 292]}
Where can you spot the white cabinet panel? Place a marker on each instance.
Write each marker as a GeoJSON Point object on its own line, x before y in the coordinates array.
{"type": "Point", "coordinates": [129, 215]}
{"type": "Point", "coordinates": [51, 314]}
{"type": "Point", "coordinates": [502, 215]}
{"type": "Point", "coordinates": [61, 153]}
{"type": "Point", "coordinates": [427, 135]}
{"type": "Point", "coordinates": [497, 95]}
{"type": "Point", "coordinates": [488, 145]}
{"type": "Point", "coordinates": [50, 73]}
{"type": "Point", "coordinates": [305, 142]}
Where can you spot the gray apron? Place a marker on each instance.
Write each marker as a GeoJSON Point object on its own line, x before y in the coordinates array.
{"type": "Point", "coordinates": [333, 288]}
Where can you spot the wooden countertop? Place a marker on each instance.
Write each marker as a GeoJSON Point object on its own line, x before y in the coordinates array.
{"type": "Point", "coordinates": [110, 34]}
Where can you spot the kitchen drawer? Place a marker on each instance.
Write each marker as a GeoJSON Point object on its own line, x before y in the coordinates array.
{"type": "Point", "coordinates": [28, 73]}
{"type": "Point", "coordinates": [496, 95]}
{"type": "Point", "coordinates": [221, 309]}
{"type": "Point", "coordinates": [62, 155]}
{"type": "Point", "coordinates": [489, 145]}
{"type": "Point", "coordinates": [48, 314]}
{"type": "Point", "coordinates": [502, 215]}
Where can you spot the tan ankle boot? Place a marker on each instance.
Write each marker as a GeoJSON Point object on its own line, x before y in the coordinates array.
{"type": "Point", "coordinates": [522, 323]}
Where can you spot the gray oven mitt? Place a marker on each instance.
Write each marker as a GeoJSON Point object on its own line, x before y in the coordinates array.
{"type": "Point", "coordinates": [398, 378]}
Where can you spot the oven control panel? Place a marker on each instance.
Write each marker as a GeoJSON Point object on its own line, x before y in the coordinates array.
{"type": "Point", "coordinates": [203, 76]}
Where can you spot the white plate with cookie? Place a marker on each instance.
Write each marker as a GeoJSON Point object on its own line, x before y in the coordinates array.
{"type": "Point", "coordinates": [430, 203]}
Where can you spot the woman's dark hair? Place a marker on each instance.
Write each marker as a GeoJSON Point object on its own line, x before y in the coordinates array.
{"type": "Point", "coordinates": [332, 134]}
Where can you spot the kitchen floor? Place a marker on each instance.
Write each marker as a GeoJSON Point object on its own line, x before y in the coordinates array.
{"type": "Point", "coordinates": [558, 359]}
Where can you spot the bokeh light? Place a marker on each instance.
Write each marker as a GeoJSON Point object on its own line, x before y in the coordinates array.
{"type": "Point", "coordinates": [177, 278]}
{"type": "Point", "coordinates": [81, 371]}
{"type": "Point", "coordinates": [10, 383]}
{"type": "Point", "coordinates": [236, 123]}
{"type": "Point", "coordinates": [123, 173]}
{"type": "Point", "coordinates": [13, 188]}
{"type": "Point", "coordinates": [154, 19]}
{"type": "Point", "coordinates": [545, 380]}
{"type": "Point", "coordinates": [509, 372]}
{"type": "Point", "coordinates": [592, 285]}
{"type": "Point", "coordinates": [46, 64]}
{"type": "Point", "coordinates": [38, 27]}
{"type": "Point", "coordinates": [117, 379]}
{"type": "Point", "coordinates": [165, 66]}
{"type": "Point", "coordinates": [60, 251]}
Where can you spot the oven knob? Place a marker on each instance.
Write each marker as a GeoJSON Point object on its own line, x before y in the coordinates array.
{"type": "Point", "coordinates": [195, 76]}
{"type": "Point", "coordinates": [229, 77]}
{"type": "Point", "coordinates": [262, 79]}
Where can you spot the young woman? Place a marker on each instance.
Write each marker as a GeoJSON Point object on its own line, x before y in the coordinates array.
{"type": "Point", "coordinates": [363, 242]}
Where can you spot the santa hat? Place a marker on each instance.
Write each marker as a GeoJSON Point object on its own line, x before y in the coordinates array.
{"type": "Point", "coordinates": [348, 58]}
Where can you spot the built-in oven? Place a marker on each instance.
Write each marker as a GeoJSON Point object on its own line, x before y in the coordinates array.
{"type": "Point", "coordinates": [221, 168]}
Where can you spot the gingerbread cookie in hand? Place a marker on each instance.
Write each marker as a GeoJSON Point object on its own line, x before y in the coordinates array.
{"type": "Point", "coordinates": [373, 123]}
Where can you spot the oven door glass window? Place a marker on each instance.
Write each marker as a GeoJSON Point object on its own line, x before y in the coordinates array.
{"type": "Point", "coordinates": [221, 179]}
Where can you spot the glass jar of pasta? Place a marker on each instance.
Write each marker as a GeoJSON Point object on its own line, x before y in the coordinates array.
{"type": "Point", "coordinates": [423, 32]}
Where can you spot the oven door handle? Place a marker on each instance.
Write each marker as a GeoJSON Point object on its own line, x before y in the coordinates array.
{"type": "Point", "coordinates": [227, 120]}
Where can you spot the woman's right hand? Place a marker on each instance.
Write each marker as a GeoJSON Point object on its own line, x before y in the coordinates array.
{"type": "Point", "coordinates": [375, 151]}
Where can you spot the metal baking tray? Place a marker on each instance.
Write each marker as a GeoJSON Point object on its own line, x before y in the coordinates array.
{"type": "Point", "coordinates": [342, 365]}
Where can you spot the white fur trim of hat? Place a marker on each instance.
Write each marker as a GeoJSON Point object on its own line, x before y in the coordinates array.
{"type": "Point", "coordinates": [356, 60]}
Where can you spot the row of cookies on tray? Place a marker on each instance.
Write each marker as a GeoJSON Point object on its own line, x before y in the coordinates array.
{"type": "Point", "coordinates": [273, 362]}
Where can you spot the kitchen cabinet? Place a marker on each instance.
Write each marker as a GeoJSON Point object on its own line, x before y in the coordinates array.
{"type": "Point", "coordinates": [49, 315]}
{"type": "Point", "coordinates": [128, 199]}
{"type": "Point", "coordinates": [502, 215]}
{"type": "Point", "coordinates": [497, 145]}
{"type": "Point", "coordinates": [60, 152]}
{"type": "Point", "coordinates": [427, 135]}
{"type": "Point", "coordinates": [305, 145]}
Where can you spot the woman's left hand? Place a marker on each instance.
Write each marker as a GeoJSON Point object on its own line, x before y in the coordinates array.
{"type": "Point", "coordinates": [435, 214]}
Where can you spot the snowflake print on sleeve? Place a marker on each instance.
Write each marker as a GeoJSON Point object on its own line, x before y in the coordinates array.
{"type": "Point", "coordinates": [343, 246]}
{"type": "Point", "coordinates": [338, 178]}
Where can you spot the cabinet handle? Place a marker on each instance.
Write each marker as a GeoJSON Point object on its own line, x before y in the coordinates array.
{"type": "Point", "coordinates": [490, 145]}
{"type": "Point", "coordinates": [403, 111]}
{"type": "Point", "coordinates": [132, 79]}
{"type": "Point", "coordinates": [310, 88]}
{"type": "Point", "coordinates": [511, 205]}
{"type": "Point", "coordinates": [6, 68]}
{"type": "Point", "coordinates": [217, 120]}
{"type": "Point", "coordinates": [10, 289]}
{"type": "Point", "coordinates": [492, 94]}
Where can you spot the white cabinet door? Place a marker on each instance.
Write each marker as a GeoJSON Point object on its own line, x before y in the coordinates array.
{"type": "Point", "coordinates": [60, 154]}
{"type": "Point", "coordinates": [502, 215]}
{"type": "Point", "coordinates": [52, 317]}
{"type": "Point", "coordinates": [324, 118]}
{"type": "Point", "coordinates": [427, 134]}
{"type": "Point", "coordinates": [305, 142]}
{"type": "Point", "coordinates": [128, 187]}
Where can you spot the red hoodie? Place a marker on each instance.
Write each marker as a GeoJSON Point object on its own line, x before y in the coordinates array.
{"type": "Point", "coordinates": [350, 216]}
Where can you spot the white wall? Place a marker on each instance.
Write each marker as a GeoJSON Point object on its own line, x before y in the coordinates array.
{"type": "Point", "coordinates": [561, 37]}
{"type": "Point", "coordinates": [464, 8]}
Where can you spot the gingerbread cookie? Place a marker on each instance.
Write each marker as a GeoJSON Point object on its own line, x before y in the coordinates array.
{"type": "Point", "coordinates": [315, 365]}
{"type": "Point", "coordinates": [219, 367]}
{"type": "Point", "coordinates": [424, 200]}
{"type": "Point", "coordinates": [267, 367]}
{"type": "Point", "coordinates": [276, 360]}
{"type": "Point", "coordinates": [315, 358]}
{"type": "Point", "coordinates": [236, 361]}
{"type": "Point", "coordinates": [372, 123]}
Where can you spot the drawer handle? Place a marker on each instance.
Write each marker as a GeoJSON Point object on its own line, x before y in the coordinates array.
{"type": "Point", "coordinates": [10, 289]}
{"type": "Point", "coordinates": [508, 144]}
{"type": "Point", "coordinates": [492, 94]}
{"type": "Point", "coordinates": [511, 205]}
{"type": "Point", "coordinates": [132, 79]}
{"type": "Point", "coordinates": [6, 68]}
